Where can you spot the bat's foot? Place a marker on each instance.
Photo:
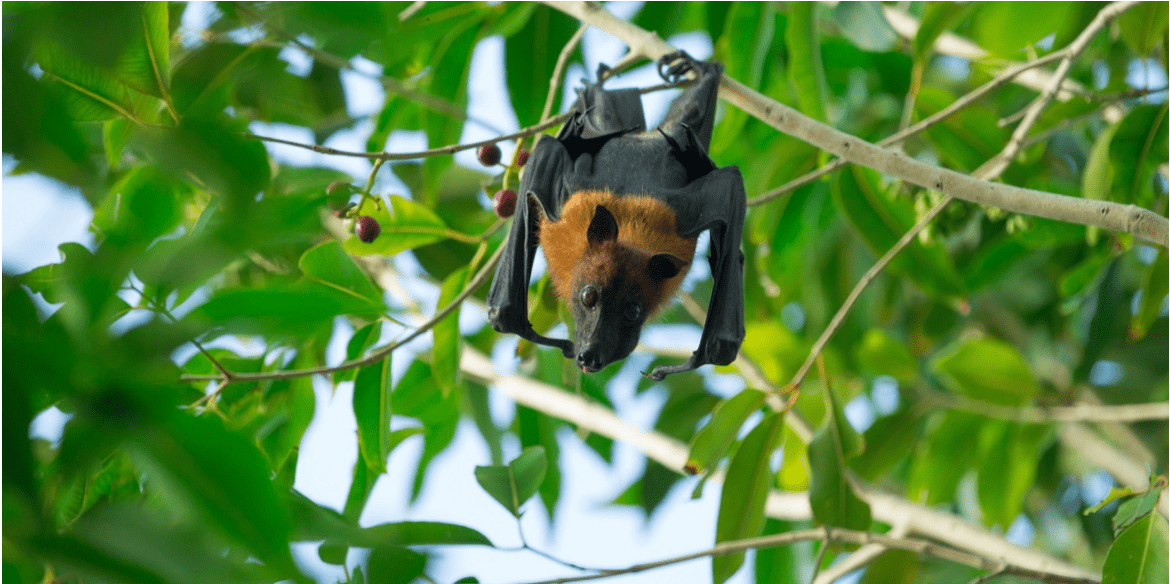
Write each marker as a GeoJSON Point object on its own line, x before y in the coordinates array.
{"type": "Point", "coordinates": [673, 67]}
{"type": "Point", "coordinates": [660, 373]}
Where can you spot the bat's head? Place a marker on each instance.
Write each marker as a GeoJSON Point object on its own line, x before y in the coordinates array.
{"type": "Point", "coordinates": [616, 287]}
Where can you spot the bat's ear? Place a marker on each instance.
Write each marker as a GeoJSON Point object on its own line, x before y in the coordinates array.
{"type": "Point", "coordinates": [535, 209]}
{"type": "Point", "coordinates": [663, 266]}
{"type": "Point", "coordinates": [603, 227]}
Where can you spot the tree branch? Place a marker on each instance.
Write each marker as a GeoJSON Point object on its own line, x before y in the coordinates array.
{"type": "Point", "coordinates": [838, 536]}
{"type": "Point", "coordinates": [1103, 214]}
{"type": "Point", "coordinates": [374, 356]}
{"type": "Point", "coordinates": [672, 454]}
{"type": "Point", "coordinates": [1083, 412]}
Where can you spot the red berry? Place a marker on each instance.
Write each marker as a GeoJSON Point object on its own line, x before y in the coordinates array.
{"type": "Point", "coordinates": [505, 203]}
{"type": "Point", "coordinates": [522, 158]}
{"type": "Point", "coordinates": [488, 155]}
{"type": "Point", "coordinates": [367, 228]}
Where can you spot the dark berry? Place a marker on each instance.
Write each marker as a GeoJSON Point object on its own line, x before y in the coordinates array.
{"type": "Point", "coordinates": [367, 228]}
{"type": "Point", "coordinates": [522, 158]}
{"type": "Point", "coordinates": [505, 203]}
{"type": "Point", "coordinates": [488, 155]}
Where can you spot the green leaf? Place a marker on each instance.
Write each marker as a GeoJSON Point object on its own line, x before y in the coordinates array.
{"type": "Point", "coordinates": [131, 535]}
{"type": "Point", "coordinates": [988, 370]}
{"type": "Point", "coordinates": [406, 225]}
{"type": "Point", "coordinates": [448, 345]}
{"type": "Point", "coordinates": [881, 221]}
{"type": "Point", "coordinates": [710, 444]}
{"type": "Point", "coordinates": [805, 70]}
{"type": "Point", "coordinates": [865, 26]}
{"type": "Point", "coordinates": [943, 457]}
{"type": "Point", "coordinates": [423, 533]}
{"type": "Point", "coordinates": [1144, 26]}
{"type": "Point", "coordinates": [90, 93]}
{"type": "Point", "coordinates": [371, 407]}
{"type": "Point", "coordinates": [539, 430]}
{"type": "Point", "coordinates": [145, 66]}
{"type": "Point", "coordinates": [343, 30]}
{"type": "Point", "coordinates": [361, 341]}
{"type": "Point", "coordinates": [937, 19]}
{"type": "Point", "coordinates": [531, 55]}
{"type": "Point", "coordinates": [749, 479]}
{"type": "Point", "coordinates": [1139, 145]}
{"type": "Point", "coordinates": [395, 565]}
{"type": "Point", "coordinates": [883, 355]}
{"type": "Point", "coordinates": [221, 477]}
{"type": "Point", "coordinates": [1153, 293]}
{"type": "Point", "coordinates": [794, 470]}
{"type": "Point", "coordinates": [1097, 180]}
{"type": "Point", "coordinates": [115, 132]}
{"type": "Point", "coordinates": [329, 265]}
{"type": "Point", "coordinates": [215, 152]}
{"type": "Point", "coordinates": [359, 492]}
{"type": "Point", "coordinates": [417, 395]}
{"type": "Point", "coordinates": [741, 62]}
{"type": "Point", "coordinates": [1006, 28]}
{"type": "Point", "coordinates": [1115, 493]}
{"type": "Point", "coordinates": [966, 139]}
{"type": "Point", "coordinates": [1008, 469]}
{"type": "Point", "coordinates": [140, 207]}
{"type": "Point", "coordinates": [1139, 554]}
{"type": "Point", "coordinates": [514, 484]}
{"type": "Point", "coordinates": [774, 348]}
{"type": "Point", "coordinates": [830, 493]}
{"type": "Point", "coordinates": [293, 309]}
{"type": "Point", "coordinates": [1137, 506]}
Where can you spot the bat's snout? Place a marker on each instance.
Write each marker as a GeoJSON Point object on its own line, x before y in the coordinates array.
{"type": "Point", "coordinates": [590, 360]}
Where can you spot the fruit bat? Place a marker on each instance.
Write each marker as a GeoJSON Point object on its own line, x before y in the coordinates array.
{"type": "Point", "coordinates": [617, 210]}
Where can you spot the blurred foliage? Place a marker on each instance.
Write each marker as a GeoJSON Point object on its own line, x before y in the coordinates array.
{"type": "Point", "coordinates": [201, 237]}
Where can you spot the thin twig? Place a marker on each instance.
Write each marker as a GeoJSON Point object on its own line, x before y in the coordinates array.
{"type": "Point", "coordinates": [555, 82]}
{"type": "Point", "coordinates": [820, 559]}
{"type": "Point", "coordinates": [995, 167]}
{"type": "Point", "coordinates": [390, 84]}
{"type": "Point", "coordinates": [838, 535]}
{"type": "Point", "coordinates": [987, 171]}
{"type": "Point", "coordinates": [1000, 80]}
{"type": "Point", "coordinates": [480, 278]}
{"type": "Point", "coordinates": [450, 149]}
{"type": "Point", "coordinates": [163, 310]}
{"type": "Point", "coordinates": [869, 276]}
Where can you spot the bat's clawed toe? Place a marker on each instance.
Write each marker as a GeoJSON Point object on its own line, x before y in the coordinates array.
{"type": "Point", "coordinates": [673, 67]}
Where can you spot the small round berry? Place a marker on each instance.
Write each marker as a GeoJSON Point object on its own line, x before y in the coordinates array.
{"type": "Point", "coordinates": [522, 158]}
{"type": "Point", "coordinates": [505, 203]}
{"type": "Point", "coordinates": [367, 228]}
{"type": "Point", "coordinates": [334, 187]}
{"type": "Point", "coordinates": [488, 155]}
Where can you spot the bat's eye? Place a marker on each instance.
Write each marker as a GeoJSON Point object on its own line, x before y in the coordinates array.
{"type": "Point", "coordinates": [589, 296]}
{"type": "Point", "coordinates": [633, 311]}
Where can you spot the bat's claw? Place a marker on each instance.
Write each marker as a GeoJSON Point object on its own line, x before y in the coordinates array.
{"type": "Point", "coordinates": [672, 71]}
{"type": "Point", "coordinates": [660, 373]}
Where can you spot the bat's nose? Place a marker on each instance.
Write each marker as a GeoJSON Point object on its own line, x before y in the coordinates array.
{"type": "Point", "coordinates": [589, 360]}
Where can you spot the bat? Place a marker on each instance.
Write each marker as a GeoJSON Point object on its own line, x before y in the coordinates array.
{"type": "Point", "coordinates": [617, 210]}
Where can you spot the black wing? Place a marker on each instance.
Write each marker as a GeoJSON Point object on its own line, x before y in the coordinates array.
{"type": "Point", "coordinates": [715, 202]}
